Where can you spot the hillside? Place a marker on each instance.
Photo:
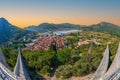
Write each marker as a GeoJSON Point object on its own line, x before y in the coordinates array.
{"type": "Point", "coordinates": [105, 27]}
{"type": "Point", "coordinates": [6, 30]}
{"type": "Point", "coordinates": [10, 32]}
{"type": "Point", "coordinates": [45, 27]}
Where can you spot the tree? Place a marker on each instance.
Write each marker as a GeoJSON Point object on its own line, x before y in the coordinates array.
{"type": "Point", "coordinates": [64, 55]}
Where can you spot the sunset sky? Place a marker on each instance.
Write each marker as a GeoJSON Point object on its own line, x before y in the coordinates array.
{"type": "Point", "coordinates": [24, 13]}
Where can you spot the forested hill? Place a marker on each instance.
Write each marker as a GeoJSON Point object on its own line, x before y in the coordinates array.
{"type": "Point", "coordinates": [105, 27]}
{"type": "Point", "coordinates": [9, 31]}
{"type": "Point", "coordinates": [45, 27]}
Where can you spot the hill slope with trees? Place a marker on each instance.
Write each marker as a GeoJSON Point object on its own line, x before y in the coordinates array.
{"type": "Point", "coordinates": [9, 32]}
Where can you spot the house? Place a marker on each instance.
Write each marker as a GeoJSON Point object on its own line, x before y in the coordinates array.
{"type": "Point", "coordinates": [81, 43]}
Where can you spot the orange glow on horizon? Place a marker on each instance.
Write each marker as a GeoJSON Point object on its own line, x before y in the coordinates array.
{"type": "Point", "coordinates": [24, 19]}
{"type": "Point", "coordinates": [25, 22]}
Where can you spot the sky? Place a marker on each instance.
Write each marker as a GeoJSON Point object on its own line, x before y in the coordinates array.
{"type": "Point", "coordinates": [24, 13]}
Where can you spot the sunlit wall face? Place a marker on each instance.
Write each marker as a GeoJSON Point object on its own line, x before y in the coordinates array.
{"type": "Point", "coordinates": [23, 13]}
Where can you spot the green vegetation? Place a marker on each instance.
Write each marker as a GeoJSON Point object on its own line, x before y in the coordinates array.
{"type": "Point", "coordinates": [40, 61]}
{"type": "Point", "coordinates": [11, 56]}
{"type": "Point", "coordinates": [20, 38]}
{"type": "Point", "coordinates": [73, 60]}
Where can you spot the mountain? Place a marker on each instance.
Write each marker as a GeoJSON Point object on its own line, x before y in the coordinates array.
{"type": "Point", "coordinates": [9, 31]}
{"type": "Point", "coordinates": [105, 27]}
{"type": "Point", "coordinates": [45, 27]}
{"type": "Point", "coordinates": [6, 30]}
